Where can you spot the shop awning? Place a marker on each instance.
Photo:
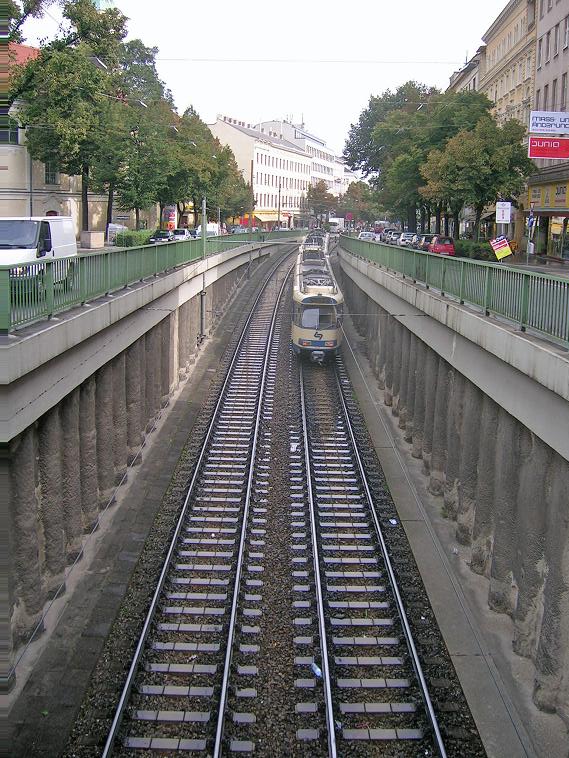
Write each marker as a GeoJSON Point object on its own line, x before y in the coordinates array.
{"type": "Point", "coordinates": [267, 216]}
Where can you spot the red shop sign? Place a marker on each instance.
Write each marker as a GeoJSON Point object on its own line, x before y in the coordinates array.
{"type": "Point", "coordinates": [548, 147]}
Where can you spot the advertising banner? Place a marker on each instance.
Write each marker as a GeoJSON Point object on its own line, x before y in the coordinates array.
{"type": "Point", "coordinates": [169, 217]}
{"type": "Point", "coordinates": [548, 147]}
{"type": "Point", "coordinates": [548, 122]}
{"type": "Point", "coordinates": [501, 247]}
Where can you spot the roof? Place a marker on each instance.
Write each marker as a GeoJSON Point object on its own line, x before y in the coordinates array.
{"type": "Point", "coordinates": [19, 54]}
{"type": "Point", "coordinates": [262, 137]}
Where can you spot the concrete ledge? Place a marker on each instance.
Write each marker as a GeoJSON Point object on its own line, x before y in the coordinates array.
{"type": "Point", "coordinates": [527, 377]}
{"type": "Point", "coordinates": [40, 368]}
{"type": "Point", "coordinates": [29, 348]}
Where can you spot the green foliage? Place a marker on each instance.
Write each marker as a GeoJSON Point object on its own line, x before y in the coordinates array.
{"type": "Point", "coordinates": [132, 239]}
{"type": "Point", "coordinates": [319, 199]}
{"type": "Point", "coordinates": [480, 251]}
{"type": "Point", "coordinates": [361, 201]}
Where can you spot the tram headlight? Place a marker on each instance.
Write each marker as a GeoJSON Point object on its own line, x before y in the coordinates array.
{"type": "Point", "coordinates": [330, 343]}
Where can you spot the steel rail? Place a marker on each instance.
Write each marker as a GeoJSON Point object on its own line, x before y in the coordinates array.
{"type": "Point", "coordinates": [393, 581]}
{"type": "Point", "coordinates": [217, 750]}
{"type": "Point", "coordinates": [173, 543]}
{"type": "Point", "coordinates": [332, 751]}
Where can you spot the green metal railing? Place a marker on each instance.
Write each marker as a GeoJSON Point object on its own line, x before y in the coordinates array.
{"type": "Point", "coordinates": [37, 291]}
{"type": "Point", "coordinates": [528, 299]}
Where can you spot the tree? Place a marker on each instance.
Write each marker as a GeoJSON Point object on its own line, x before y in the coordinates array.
{"type": "Point", "coordinates": [62, 94]}
{"type": "Point", "coordinates": [361, 201]}
{"type": "Point", "coordinates": [147, 160]}
{"type": "Point", "coordinates": [17, 14]}
{"type": "Point", "coordinates": [319, 199]}
{"type": "Point", "coordinates": [480, 166]}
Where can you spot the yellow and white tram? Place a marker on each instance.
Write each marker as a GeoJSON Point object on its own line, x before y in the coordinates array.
{"type": "Point", "coordinates": [317, 307]}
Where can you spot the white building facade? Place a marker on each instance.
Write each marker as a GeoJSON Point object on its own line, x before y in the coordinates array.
{"type": "Point", "coordinates": [324, 163]}
{"type": "Point", "coordinates": [278, 169]}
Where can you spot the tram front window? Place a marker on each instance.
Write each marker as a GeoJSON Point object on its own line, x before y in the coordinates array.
{"type": "Point", "coordinates": [318, 318]}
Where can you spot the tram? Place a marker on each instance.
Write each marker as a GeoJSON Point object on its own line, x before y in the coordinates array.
{"type": "Point", "coordinates": [317, 305]}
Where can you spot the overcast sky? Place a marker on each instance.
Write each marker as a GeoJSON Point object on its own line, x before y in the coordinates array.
{"type": "Point", "coordinates": [319, 60]}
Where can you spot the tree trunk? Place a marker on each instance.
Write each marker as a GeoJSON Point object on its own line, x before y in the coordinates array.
{"type": "Point", "coordinates": [438, 212]}
{"type": "Point", "coordinates": [85, 198]}
{"type": "Point", "coordinates": [195, 204]}
{"type": "Point", "coordinates": [477, 218]}
{"type": "Point", "coordinates": [456, 230]}
{"type": "Point", "coordinates": [446, 224]}
{"type": "Point", "coordinates": [110, 206]}
{"type": "Point", "coordinates": [412, 218]}
{"type": "Point", "coordinates": [137, 217]}
{"type": "Point", "coordinates": [423, 218]}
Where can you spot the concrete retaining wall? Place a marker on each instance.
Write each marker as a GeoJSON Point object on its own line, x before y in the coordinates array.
{"type": "Point", "coordinates": [506, 489]}
{"type": "Point", "coordinates": [63, 468]}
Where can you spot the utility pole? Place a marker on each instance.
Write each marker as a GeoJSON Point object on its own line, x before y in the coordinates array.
{"type": "Point", "coordinates": [204, 227]}
{"type": "Point", "coordinates": [251, 220]}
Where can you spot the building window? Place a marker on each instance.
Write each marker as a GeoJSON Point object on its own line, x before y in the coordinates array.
{"type": "Point", "coordinates": [547, 47]}
{"type": "Point", "coordinates": [51, 173]}
{"type": "Point", "coordinates": [545, 97]}
{"type": "Point", "coordinates": [541, 4]}
{"type": "Point", "coordinates": [539, 51]}
{"type": "Point", "coordinates": [538, 100]}
{"type": "Point", "coordinates": [566, 33]}
{"type": "Point", "coordinates": [553, 94]}
{"type": "Point", "coordinates": [549, 4]}
{"type": "Point", "coordinates": [563, 103]}
{"type": "Point", "coordinates": [9, 132]}
{"type": "Point", "coordinates": [556, 41]}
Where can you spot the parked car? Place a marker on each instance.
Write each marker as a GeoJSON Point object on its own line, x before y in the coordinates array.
{"type": "Point", "coordinates": [182, 234]}
{"type": "Point", "coordinates": [391, 236]}
{"type": "Point", "coordinates": [391, 232]}
{"type": "Point", "coordinates": [368, 236]}
{"type": "Point", "coordinates": [162, 235]}
{"type": "Point", "coordinates": [404, 239]}
{"type": "Point", "coordinates": [442, 245]}
{"type": "Point", "coordinates": [424, 242]}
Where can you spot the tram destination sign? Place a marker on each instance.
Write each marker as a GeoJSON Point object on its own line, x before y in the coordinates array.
{"type": "Point", "coordinates": [548, 147]}
{"type": "Point", "coordinates": [548, 122]}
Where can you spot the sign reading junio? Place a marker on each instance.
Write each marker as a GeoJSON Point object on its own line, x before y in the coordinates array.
{"type": "Point", "coordinates": [549, 122]}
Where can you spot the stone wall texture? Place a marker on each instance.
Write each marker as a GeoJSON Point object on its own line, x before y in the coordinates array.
{"type": "Point", "coordinates": [505, 489]}
{"type": "Point", "coordinates": [64, 468]}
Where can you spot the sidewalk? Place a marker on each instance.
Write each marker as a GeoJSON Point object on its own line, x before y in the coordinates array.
{"type": "Point", "coordinates": [519, 260]}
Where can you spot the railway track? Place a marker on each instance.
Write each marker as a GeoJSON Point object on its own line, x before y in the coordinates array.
{"type": "Point", "coordinates": [277, 625]}
{"type": "Point", "coordinates": [376, 693]}
{"type": "Point", "coordinates": [178, 685]}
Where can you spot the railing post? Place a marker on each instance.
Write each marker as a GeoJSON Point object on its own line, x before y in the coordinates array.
{"type": "Point", "coordinates": [48, 287]}
{"type": "Point", "coordinates": [5, 301]}
{"type": "Point", "coordinates": [107, 272]}
{"type": "Point", "coordinates": [461, 289]}
{"type": "Point", "coordinates": [414, 277]}
{"type": "Point", "coordinates": [525, 301]}
{"type": "Point", "coordinates": [82, 279]}
{"type": "Point", "coordinates": [427, 259]}
{"type": "Point", "coordinates": [443, 262]}
{"type": "Point", "coordinates": [487, 285]}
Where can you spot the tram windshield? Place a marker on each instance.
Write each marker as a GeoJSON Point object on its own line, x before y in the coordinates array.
{"type": "Point", "coordinates": [323, 317]}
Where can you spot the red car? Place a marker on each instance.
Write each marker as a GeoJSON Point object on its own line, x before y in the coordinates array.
{"type": "Point", "coordinates": [442, 246]}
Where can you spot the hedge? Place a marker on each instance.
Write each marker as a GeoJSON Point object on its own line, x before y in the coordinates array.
{"type": "Point", "coordinates": [132, 239]}
{"type": "Point", "coordinates": [480, 251]}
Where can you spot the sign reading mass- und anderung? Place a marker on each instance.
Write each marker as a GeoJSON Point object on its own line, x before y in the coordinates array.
{"type": "Point", "coordinates": [549, 122]}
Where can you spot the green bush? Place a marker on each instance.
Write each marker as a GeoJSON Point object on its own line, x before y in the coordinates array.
{"type": "Point", "coordinates": [133, 239]}
{"type": "Point", "coordinates": [479, 251]}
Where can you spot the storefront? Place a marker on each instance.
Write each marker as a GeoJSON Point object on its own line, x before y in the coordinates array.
{"type": "Point", "coordinates": [549, 205]}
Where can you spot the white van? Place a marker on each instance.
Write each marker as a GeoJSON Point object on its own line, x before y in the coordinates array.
{"type": "Point", "coordinates": [212, 230]}
{"type": "Point", "coordinates": [36, 240]}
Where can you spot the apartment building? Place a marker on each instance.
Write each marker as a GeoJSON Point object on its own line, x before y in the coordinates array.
{"type": "Point", "coordinates": [279, 170]}
{"type": "Point", "coordinates": [547, 192]}
{"type": "Point", "coordinates": [324, 166]}
{"type": "Point", "coordinates": [504, 70]}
